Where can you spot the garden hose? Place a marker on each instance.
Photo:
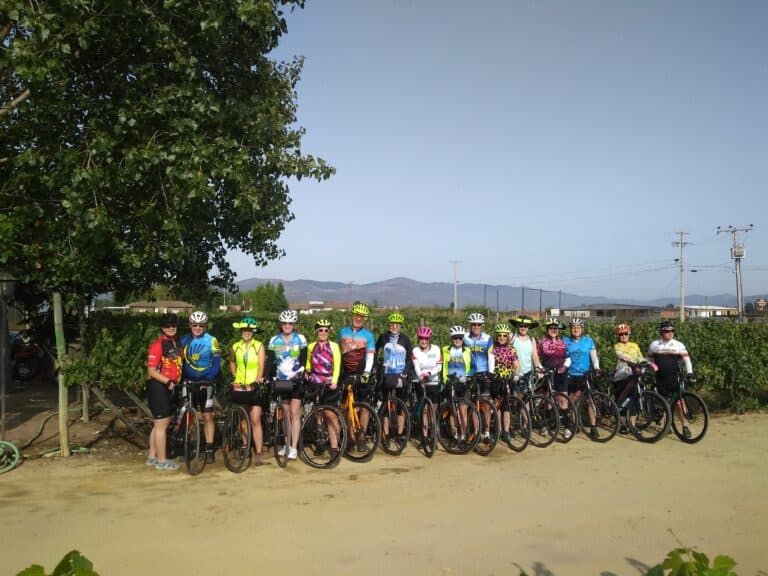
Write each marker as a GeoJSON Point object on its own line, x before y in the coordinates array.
{"type": "Point", "coordinates": [9, 456]}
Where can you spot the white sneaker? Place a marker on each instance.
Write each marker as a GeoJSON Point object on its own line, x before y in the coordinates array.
{"type": "Point", "coordinates": [567, 433]}
{"type": "Point", "coordinates": [486, 436]}
{"type": "Point", "coordinates": [293, 454]}
{"type": "Point", "coordinates": [281, 451]}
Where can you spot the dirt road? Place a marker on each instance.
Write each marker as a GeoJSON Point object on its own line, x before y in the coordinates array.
{"type": "Point", "coordinates": [582, 508]}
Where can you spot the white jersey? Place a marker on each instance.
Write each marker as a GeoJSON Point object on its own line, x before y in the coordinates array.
{"type": "Point", "coordinates": [429, 361]}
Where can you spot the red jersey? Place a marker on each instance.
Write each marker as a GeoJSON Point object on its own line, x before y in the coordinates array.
{"type": "Point", "coordinates": [164, 355]}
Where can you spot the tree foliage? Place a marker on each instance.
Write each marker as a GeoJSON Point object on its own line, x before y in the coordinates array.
{"type": "Point", "coordinates": [139, 141]}
{"type": "Point", "coordinates": [266, 298]}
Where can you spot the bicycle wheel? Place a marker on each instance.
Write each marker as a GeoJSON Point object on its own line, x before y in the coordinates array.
{"type": "Point", "coordinates": [236, 444]}
{"type": "Point", "coordinates": [393, 442]}
{"type": "Point", "coordinates": [194, 453]}
{"type": "Point", "coordinates": [317, 430]}
{"type": "Point", "coordinates": [488, 429]}
{"type": "Point", "coordinates": [605, 414]}
{"type": "Point", "coordinates": [648, 417]}
{"type": "Point", "coordinates": [428, 428]}
{"type": "Point", "coordinates": [569, 421]}
{"type": "Point", "coordinates": [9, 456]}
{"type": "Point", "coordinates": [457, 435]}
{"type": "Point", "coordinates": [545, 421]}
{"type": "Point", "coordinates": [281, 444]}
{"type": "Point", "coordinates": [518, 434]}
{"type": "Point", "coordinates": [362, 442]}
{"type": "Point", "coordinates": [695, 410]}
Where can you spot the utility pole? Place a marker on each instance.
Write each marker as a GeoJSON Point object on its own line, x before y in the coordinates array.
{"type": "Point", "coordinates": [682, 243]}
{"type": "Point", "coordinates": [737, 254]}
{"type": "Point", "coordinates": [455, 285]}
{"type": "Point", "coordinates": [540, 309]}
{"type": "Point", "coordinates": [522, 302]}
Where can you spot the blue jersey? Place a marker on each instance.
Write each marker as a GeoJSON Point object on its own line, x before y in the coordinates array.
{"type": "Point", "coordinates": [288, 351]}
{"type": "Point", "coordinates": [202, 357]}
{"type": "Point", "coordinates": [396, 353]}
{"type": "Point", "coordinates": [578, 352]}
{"type": "Point", "coordinates": [481, 348]}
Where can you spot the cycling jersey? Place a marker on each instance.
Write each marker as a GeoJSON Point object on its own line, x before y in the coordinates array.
{"type": "Point", "coordinates": [551, 352]}
{"type": "Point", "coordinates": [357, 346]}
{"type": "Point", "coordinates": [667, 356]}
{"type": "Point", "coordinates": [429, 361]}
{"type": "Point", "coordinates": [626, 351]}
{"type": "Point", "coordinates": [164, 355]}
{"type": "Point", "coordinates": [202, 358]}
{"type": "Point", "coordinates": [524, 349]}
{"type": "Point", "coordinates": [288, 354]}
{"type": "Point", "coordinates": [505, 356]}
{"type": "Point", "coordinates": [457, 361]}
{"type": "Point", "coordinates": [324, 362]}
{"type": "Point", "coordinates": [396, 353]}
{"type": "Point", "coordinates": [579, 353]}
{"type": "Point", "coordinates": [482, 353]}
{"type": "Point", "coordinates": [246, 363]}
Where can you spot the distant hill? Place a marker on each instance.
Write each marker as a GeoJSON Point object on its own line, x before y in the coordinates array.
{"type": "Point", "coordinates": [407, 292]}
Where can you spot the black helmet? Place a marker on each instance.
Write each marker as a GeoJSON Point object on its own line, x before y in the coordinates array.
{"type": "Point", "coordinates": [523, 320]}
{"type": "Point", "coordinates": [169, 319]}
{"type": "Point", "coordinates": [665, 325]}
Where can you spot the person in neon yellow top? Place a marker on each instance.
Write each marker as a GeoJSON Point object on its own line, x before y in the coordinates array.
{"type": "Point", "coordinates": [457, 360]}
{"type": "Point", "coordinates": [246, 363]}
{"type": "Point", "coordinates": [323, 368]}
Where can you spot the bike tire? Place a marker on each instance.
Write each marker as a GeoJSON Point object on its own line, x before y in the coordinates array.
{"type": "Point", "coordinates": [485, 445]}
{"type": "Point", "coordinates": [428, 438]}
{"type": "Point", "coordinates": [282, 438]}
{"type": "Point", "coordinates": [370, 437]}
{"type": "Point", "coordinates": [648, 417]}
{"type": "Point", "coordinates": [236, 443]}
{"type": "Point", "coordinates": [314, 438]}
{"type": "Point", "coordinates": [194, 451]}
{"type": "Point", "coordinates": [569, 420]}
{"type": "Point", "coordinates": [519, 430]}
{"type": "Point", "coordinates": [606, 416]}
{"type": "Point", "coordinates": [394, 444]}
{"type": "Point", "coordinates": [697, 414]}
{"type": "Point", "coordinates": [465, 440]}
{"type": "Point", "coordinates": [545, 421]}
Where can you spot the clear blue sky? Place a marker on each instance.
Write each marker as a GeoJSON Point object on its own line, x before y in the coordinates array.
{"type": "Point", "coordinates": [552, 144]}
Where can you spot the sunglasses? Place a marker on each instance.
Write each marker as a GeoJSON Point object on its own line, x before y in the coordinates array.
{"type": "Point", "coordinates": [502, 335]}
{"type": "Point", "coordinates": [323, 330]}
{"type": "Point", "coordinates": [667, 330]}
{"type": "Point", "coordinates": [197, 325]}
{"type": "Point", "coordinates": [624, 334]}
{"type": "Point", "coordinates": [170, 326]}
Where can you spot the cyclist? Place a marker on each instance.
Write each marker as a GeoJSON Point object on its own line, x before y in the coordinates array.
{"type": "Point", "coordinates": [507, 366]}
{"type": "Point", "coordinates": [246, 363]}
{"type": "Point", "coordinates": [667, 353]}
{"type": "Point", "coordinates": [163, 373]}
{"type": "Point", "coordinates": [323, 367]}
{"type": "Point", "coordinates": [553, 355]}
{"type": "Point", "coordinates": [394, 351]}
{"type": "Point", "coordinates": [457, 363]}
{"type": "Point", "coordinates": [480, 345]}
{"type": "Point", "coordinates": [427, 365]}
{"type": "Point", "coordinates": [583, 355]}
{"type": "Point", "coordinates": [202, 360]}
{"type": "Point", "coordinates": [286, 357]}
{"type": "Point", "coordinates": [525, 344]}
{"type": "Point", "coordinates": [357, 353]}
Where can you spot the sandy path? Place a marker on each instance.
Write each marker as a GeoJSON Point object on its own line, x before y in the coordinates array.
{"type": "Point", "coordinates": [567, 510]}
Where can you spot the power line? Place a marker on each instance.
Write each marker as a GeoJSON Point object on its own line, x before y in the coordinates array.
{"type": "Point", "coordinates": [737, 254]}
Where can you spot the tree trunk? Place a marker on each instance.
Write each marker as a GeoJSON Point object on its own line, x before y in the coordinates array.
{"type": "Point", "coordinates": [58, 326]}
{"type": "Point", "coordinates": [85, 387]}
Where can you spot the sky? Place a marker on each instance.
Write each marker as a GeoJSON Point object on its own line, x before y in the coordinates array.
{"type": "Point", "coordinates": [554, 144]}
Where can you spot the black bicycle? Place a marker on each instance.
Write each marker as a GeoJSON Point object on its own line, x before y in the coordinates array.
{"type": "Point", "coordinates": [394, 417]}
{"type": "Point", "coordinates": [457, 419]}
{"type": "Point", "coordinates": [569, 422]}
{"type": "Point", "coordinates": [237, 436]}
{"type": "Point", "coordinates": [488, 426]}
{"type": "Point", "coordinates": [185, 428]}
{"type": "Point", "coordinates": [515, 420]}
{"type": "Point", "coordinates": [422, 416]}
{"type": "Point", "coordinates": [542, 410]}
{"type": "Point", "coordinates": [645, 412]}
{"type": "Point", "coordinates": [690, 415]}
{"type": "Point", "coordinates": [323, 435]}
{"type": "Point", "coordinates": [598, 414]}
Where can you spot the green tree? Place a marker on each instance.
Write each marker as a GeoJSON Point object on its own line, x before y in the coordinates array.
{"type": "Point", "coordinates": [139, 141]}
{"type": "Point", "coordinates": [267, 298]}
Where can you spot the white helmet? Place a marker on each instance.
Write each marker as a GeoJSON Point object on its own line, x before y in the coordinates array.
{"type": "Point", "coordinates": [198, 317]}
{"type": "Point", "coordinates": [288, 316]}
{"type": "Point", "coordinates": [458, 331]}
{"type": "Point", "coordinates": [577, 322]}
{"type": "Point", "coordinates": [476, 318]}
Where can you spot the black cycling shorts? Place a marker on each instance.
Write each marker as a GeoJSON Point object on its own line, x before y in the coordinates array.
{"type": "Point", "coordinates": [159, 399]}
{"type": "Point", "coordinates": [202, 396]}
{"type": "Point", "coordinates": [576, 383]}
{"type": "Point", "coordinates": [259, 396]}
{"type": "Point", "coordinates": [560, 382]}
{"type": "Point", "coordinates": [433, 392]}
{"type": "Point", "coordinates": [483, 384]}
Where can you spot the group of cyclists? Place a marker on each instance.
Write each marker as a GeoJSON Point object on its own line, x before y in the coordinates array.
{"type": "Point", "coordinates": [473, 355]}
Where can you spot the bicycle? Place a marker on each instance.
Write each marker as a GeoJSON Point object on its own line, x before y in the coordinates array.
{"type": "Point", "coordinates": [422, 409]}
{"type": "Point", "coordinates": [394, 416]}
{"type": "Point", "coordinates": [692, 413]}
{"type": "Point", "coordinates": [457, 420]}
{"type": "Point", "coordinates": [543, 413]}
{"type": "Point", "coordinates": [362, 439]}
{"type": "Point", "coordinates": [568, 418]}
{"type": "Point", "coordinates": [278, 421]}
{"type": "Point", "coordinates": [185, 428]}
{"type": "Point", "coordinates": [597, 411]}
{"type": "Point", "coordinates": [515, 420]}
{"type": "Point", "coordinates": [646, 413]}
{"type": "Point", "coordinates": [320, 424]}
{"type": "Point", "coordinates": [237, 436]}
{"type": "Point", "coordinates": [488, 425]}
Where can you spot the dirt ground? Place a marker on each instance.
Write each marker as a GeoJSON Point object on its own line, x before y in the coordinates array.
{"type": "Point", "coordinates": [581, 508]}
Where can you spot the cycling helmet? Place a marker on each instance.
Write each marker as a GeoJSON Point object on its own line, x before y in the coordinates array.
{"type": "Point", "coordinates": [621, 329]}
{"type": "Point", "coordinates": [457, 331]}
{"type": "Point", "coordinates": [666, 325]}
{"type": "Point", "coordinates": [288, 316]}
{"type": "Point", "coordinates": [360, 309]}
{"type": "Point", "coordinates": [502, 329]}
{"type": "Point", "coordinates": [476, 318]}
{"type": "Point", "coordinates": [168, 320]}
{"type": "Point", "coordinates": [198, 317]}
{"type": "Point", "coordinates": [524, 320]}
{"type": "Point", "coordinates": [323, 323]}
{"type": "Point", "coordinates": [424, 332]}
{"type": "Point", "coordinates": [553, 322]}
{"type": "Point", "coordinates": [247, 323]}
{"type": "Point", "coordinates": [576, 322]}
{"type": "Point", "coordinates": [395, 318]}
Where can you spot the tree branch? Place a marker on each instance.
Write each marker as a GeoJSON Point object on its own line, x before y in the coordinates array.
{"type": "Point", "coordinates": [15, 102]}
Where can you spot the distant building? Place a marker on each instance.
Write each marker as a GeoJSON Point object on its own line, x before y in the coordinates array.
{"type": "Point", "coordinates": [613, 312]}
{"type": "Point", "coordinates": [315, 306]}
{"type": "Point", "coordinates": [161, 307]}
{"type": "Point", "coordinates": [710, 312]}
{"type": "Point", "coordinates": [761, 305]}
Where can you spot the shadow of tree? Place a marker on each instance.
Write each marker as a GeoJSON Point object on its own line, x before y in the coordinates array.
{"type": "Point", "coordinates": [641, 567]}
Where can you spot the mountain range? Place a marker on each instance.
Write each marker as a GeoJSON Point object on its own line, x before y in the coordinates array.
{"type": "Point", "coordinates": [401, 292]}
